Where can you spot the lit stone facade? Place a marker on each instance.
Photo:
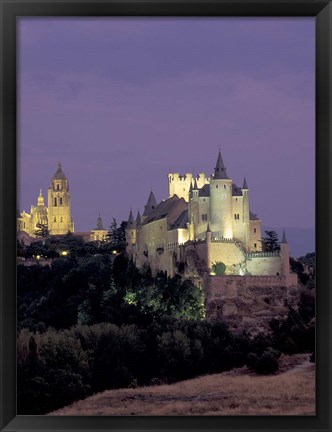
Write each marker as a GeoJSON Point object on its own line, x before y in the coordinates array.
{"type": "Point", "coordinates": [56, 217]}
{"type": "Point", "coordinates": [203, 222]}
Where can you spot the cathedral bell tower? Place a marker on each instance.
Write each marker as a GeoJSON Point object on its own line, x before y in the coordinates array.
{"type": "Point", "coordinates": [59, 218]}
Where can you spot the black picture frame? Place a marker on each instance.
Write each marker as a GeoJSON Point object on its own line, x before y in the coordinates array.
{"type": "Point", "coordinates": [322, 11]}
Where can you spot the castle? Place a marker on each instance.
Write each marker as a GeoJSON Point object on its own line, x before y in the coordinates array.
{"type": "Point", "coordinates": [203, 225]}
{"type": "Point", "coordinates": [55, 218]}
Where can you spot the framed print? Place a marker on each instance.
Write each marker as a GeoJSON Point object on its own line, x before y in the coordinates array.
{"type": "Point", "coordinates": [165, 215]}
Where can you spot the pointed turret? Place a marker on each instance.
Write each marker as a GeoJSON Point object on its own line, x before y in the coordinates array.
{"type": "Point", "coordinates": [99, 223]}
{"type": "Point", "coordinates": [131, 222]}
{"type": "Point", "coordinates": [284, 238]}
{"type": "Point", "coordinates": [245, 185]}
{"type": "Point", "coordinates": [138, 219]}
{"type": "Point", "coordinates": [220, 169]}
{"type": "Point", "coordinates": [150, 205]}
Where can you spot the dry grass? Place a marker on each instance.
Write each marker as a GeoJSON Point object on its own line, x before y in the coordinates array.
{"type": "Point", "coordinates": [240, 392]}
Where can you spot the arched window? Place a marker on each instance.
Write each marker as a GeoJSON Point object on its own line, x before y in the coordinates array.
{"type": "Point", "coordinates": [54, 219]}
{"type": "Point", "coordinates": [60, 200]}
{"type": "Point", "coordinates": [57, 187]}
{"type": "Point", "coordinates": [55, 202]}
{"type": "Point", "coordinates": [61, 219]}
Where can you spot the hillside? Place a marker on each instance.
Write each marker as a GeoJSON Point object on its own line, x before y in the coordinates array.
{"type": "Point", "coordinates": [237, 392]}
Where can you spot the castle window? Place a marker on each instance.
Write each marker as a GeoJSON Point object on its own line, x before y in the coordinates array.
{"type": "Point", "coordinates": [217, 186]}
{"type": "Point", "coordinates": [61, 219]}
{"type": "Point", "coordinates": [57, 187]}
{"type": "Point", "coordinates": [54, 219]}
{"type": "Point", "coordinates": [254, 230]}
{"type": "Point", "coordinates": [55, 202]}
{"type": "Point", "coordinates": [255, 245]}
{"type": "Point", "coordinates": [60, 200]}
{"type": "Point", "coordinates": [224, 186]}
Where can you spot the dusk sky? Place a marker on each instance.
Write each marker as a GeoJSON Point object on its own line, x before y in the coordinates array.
{"type": "Point", "coordinates": [123, 101]}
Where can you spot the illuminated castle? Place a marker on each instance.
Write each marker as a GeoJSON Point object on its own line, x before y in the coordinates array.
{"type": "Point", "coordinates": [56, 216]}
{"type": "Point", "coordinates": [204, 222]}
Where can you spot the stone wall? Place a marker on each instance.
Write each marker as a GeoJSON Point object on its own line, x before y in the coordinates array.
{"type": "Point", "coordinates": [248, 302]}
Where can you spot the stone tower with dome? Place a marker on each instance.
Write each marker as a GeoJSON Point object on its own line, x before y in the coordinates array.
{"type": "Point", "coordinates": [56, 217]}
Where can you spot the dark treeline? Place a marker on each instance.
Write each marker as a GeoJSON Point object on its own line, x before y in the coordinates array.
{"type": "Point", "coordinates": [92, 321]}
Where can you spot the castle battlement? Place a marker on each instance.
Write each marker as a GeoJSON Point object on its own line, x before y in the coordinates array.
{"type": "Point", "coordinates": [262, 254]}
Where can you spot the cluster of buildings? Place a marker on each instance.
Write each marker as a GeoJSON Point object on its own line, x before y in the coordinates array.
{"type": "Point", "coordinates": [205, 225]}
{"type": "Point", "coordinates": [55, 217]}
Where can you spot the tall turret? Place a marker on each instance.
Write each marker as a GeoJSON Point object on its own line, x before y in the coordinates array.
{"type": "Point", "coordinates": [193, 211]}
{"type": "Point", "coordinates": [221, 201]}
{"type": "Point", "coordinates": [246, 213]}
{"type": "Point", "coordinates": [149, 206]}
{"type": "Point", "coordinates": [284, 253]}
{"type": "Point", "coordinates": [59, 218]}
{"type": "Point", "coordinates": [138, 219]}
{"type": "Point", "coordinates": [131, 234]}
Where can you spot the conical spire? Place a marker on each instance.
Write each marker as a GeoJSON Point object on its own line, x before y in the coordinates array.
{"type": "Point", "coordinates": [131, 217]}
{"type": "Point", "coordinates": [150, 205]}
{"type": "Point", "coordinates": [245, 185]}
{"type": "Point", "coordinates": [284, 238]}
{"type": "Point", "coordinates": [99, 223]}
{"type": "Point", "coordinates": [220, 169]}
{"type": "Point", "coordinates": [138, 219]}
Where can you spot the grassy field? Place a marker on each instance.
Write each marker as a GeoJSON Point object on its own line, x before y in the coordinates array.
{"type": "Point", "coordinates": [237, 392]}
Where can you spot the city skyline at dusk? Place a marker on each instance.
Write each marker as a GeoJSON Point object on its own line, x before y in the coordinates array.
{"type": "Point", "coordinates": [121, 102]}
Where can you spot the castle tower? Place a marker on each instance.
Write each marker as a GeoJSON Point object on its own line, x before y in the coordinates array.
{"type": "Point", "coordinates": [221, 201]}
{"type": "Point", "coordinates": [138, 219]}
{"type": "Point", "coordinates": [284, 254]}
{"type": "Point", "coordinates": [193, 209]}
{"type": "Point", "coordinates": [59, 218]}
{"type": "Point", "coordinates": [131, 234]}
{"type": "Point", "coordinates": [149, 206]}
{"type": "Point", "coordinates": [246, 213]}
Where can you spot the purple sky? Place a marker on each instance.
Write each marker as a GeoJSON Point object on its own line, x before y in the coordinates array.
{"type": "Point", "coordinates": [122, 102]}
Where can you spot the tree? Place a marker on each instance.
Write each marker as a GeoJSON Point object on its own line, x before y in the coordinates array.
{"type": "Point", "coordinates": [42, 230]}
{"type": "Point", "coordinates": [270, 243]}
{"type": "Point", "coordinates": [117, 235]}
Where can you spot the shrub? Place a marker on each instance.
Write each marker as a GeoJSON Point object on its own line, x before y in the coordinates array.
{"type": "Point", "coordinates": [219, 268]}
{"type": "Point", "coordinates": [266, 364]}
